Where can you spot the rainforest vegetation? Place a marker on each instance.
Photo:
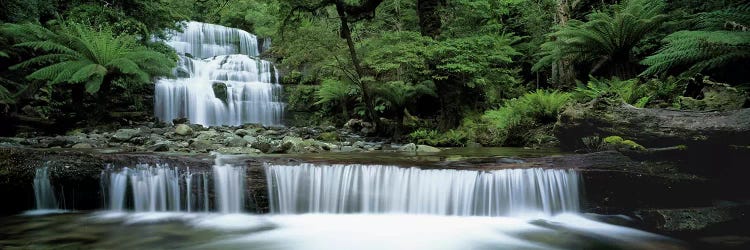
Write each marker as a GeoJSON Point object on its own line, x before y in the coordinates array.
{"type": "Point", "coordinates": [437, 72]}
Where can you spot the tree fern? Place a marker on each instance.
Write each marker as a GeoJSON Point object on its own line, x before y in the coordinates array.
{"type": "Point", "coordinates": [607, 39]}
{"type": "Point", "coordinates": [725, 39]}
{"type": "Point", "coordinates": [74, 53]}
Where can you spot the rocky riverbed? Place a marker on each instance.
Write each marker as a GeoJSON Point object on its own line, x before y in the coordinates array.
{"type": "Point", "coordinates": [185, 138]}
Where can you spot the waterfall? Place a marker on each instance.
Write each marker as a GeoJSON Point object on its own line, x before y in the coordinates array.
{"type": "Point", "coordinates": [230, 187]}
{"type": "Point", "coordinates": [44, 194]}
{"type": "Point", "coordinates": [309, 188]}
{"type": "Point", "coordinates": [220, 80]}
{"type": "Point", "coordinates": [160, 188]}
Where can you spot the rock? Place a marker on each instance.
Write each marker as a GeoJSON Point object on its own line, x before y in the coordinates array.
{"type": "Point", "coordinates": [357, 125]}
{"type": "Point", "coordinates": [159, 147]}
{"type": "Point", "coordinates": [651, 127]}
{"type": "Point", "coordinates": [220, 91]}
{"type": "Point", "coordinates": [181, 120]}
{"type": "Point", "coordinates": [272, 132]}
{"type": "Point", "coordinates": [183, 129]}
{"type": "Point", "coordinates": [714, 96]}
{"type": "Point", "coordinates": [201, 145]}
{"type": "Point", "coordinates": [210, 134]}
{"type": "Point", "coordinates": [242, 132]}
{"type": "Point", "coordinates": [82, 145]}
{"type": "Point", "coordinates": [125, 134]}
{"type": "Point", "coordinates": [235, 142]}
{"type": "Point", "coordinates": [264, 146]}
{"type": "Point", "coordinates": [358, 144]}
{"type": "Point", "coordinates": [427, 149]}
{"type": "Point", "coordinates": [238, 150]}
{"type": "Point", "coordinates": [329, 137]}
{"type": "Point", "coordinates": [693, 219]}
{"type": "Point", "coordinates": [411, 147]}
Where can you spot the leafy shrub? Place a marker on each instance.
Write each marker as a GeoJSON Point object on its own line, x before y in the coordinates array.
{"type": "Point", "coordinates": [530, 110]}
{"type": "Point", "coordinates": [625, 89]}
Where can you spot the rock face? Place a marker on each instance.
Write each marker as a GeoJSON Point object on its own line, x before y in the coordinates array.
{"type": "Point", "coordinates": [651, 127]}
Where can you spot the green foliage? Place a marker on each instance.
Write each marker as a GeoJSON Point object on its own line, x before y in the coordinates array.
{"type": "Point", "coordinates": [399, 94]}
{"type": "Point", "coordinates": [595, 88]}
{"type": "Point", "coordinates": [301, 97]}
{"type": "Point", "coordinates": [74, 53]}
{"type": "Point", "coordinates": [334, 91]}
{"type": "Point", "coordinates": [607, 39]}
{"type": "Point", "coordinates": [723, 39]}
{"type": "Point", "coordinates": [698, 51]}
{"type": "Point", "coordinates": [530, 110]}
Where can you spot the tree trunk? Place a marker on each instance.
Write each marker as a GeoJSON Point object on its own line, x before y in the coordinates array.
{"type": "Point", "coordinates": [563, 72]}
{"type": "Point", "coordinates": [347, 35]}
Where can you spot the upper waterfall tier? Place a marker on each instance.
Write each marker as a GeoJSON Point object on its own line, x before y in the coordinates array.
{"type": "Point", "coordinates": [204, 40]}
{"type": "Point", "coordinates": [389, 189]}
{"type": "Point", "coordinates": [219, 79]}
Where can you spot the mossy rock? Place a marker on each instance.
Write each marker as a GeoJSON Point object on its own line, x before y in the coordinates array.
{"type": "Point", "coordinates": [220, 91]}
{"type": "Point", "coordinates": [329, 137]}
{"type": "Point", "coordinates": [616, 142]}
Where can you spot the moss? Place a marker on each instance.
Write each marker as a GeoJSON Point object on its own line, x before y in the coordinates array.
{"type": "Point", "coordinates": [616, 142]}
{"type": "Point", "coordinates": [613, 139]}
{"type": "Point", "coordinates": [682, 147]}
{"type": "Point", "coordinates": [329, 137]}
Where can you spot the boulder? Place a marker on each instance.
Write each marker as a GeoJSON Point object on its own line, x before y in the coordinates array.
{"type": "Point", "coordinates": [427, 149]}
{"type": "Point", "coordinates": [262, 145]}
{"type": "Point", "coordinates": [411, 147]}
{"type": "Point", "coordinates": [713, 96]}
{"type": "Point", "coordinates": [183, 129]}
{"type": "Point", "coordinates": [693, 219]}
{"type": "Point", "coordinates": [235, 142]}
{"type": "Point", "coordinates": [125, 134]}
{"type": "Point", "coordinates": [159, 147]}
{"type": "Point", "coordinates": [201, 145]}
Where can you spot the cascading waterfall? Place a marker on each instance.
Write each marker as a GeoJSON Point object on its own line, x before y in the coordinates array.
{"type": "Point", "coordinates": [220, 80]}
{"type": "Point", "coordinates": [159, 188]}
{"type": "Point", "coordinates": [309, 188]}
{"type": "Point", "coordinates": [44, 194]}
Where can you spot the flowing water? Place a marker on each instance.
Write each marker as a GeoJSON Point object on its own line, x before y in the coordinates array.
{"type": "Point", "coordinates": [219, 79]}
{"type": "Point", "coordinates": [390, 189]}
{"type": "Point", "coordinates": [44, 194]}
{"type": "Point", "coordinates": [331, 207]}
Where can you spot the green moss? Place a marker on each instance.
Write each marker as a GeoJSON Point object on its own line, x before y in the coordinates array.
{"type": "Point", "coordinates": [329, 137]}
{"type": "Point", "coordinates": [616, 142]}
{"type": "Point", "coordinates": [682, 147]}
{"type": "Point", "coordinates": [613, 139]}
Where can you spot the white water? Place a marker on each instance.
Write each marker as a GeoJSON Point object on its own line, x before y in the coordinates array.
{"type": "Point", "coordinates": [44, 194]}
{"type": "Point", "coordinates": [230, 188]}
{"type": "Point", "coordinates": [309, 188]}
{"type": "Point", "coordinates": [212, 54]}
{"type": "Point", "coordinates": [160, 188]}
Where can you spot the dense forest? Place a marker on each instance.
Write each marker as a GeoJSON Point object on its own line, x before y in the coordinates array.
{"type": "Point", "coordinates": [374, 124]}
{"type": "Point", "coordinates": [437, 72]}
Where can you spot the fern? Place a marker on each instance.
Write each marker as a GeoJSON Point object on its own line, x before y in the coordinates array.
{"type": "Point", "coordinates": [607, 39]}
{"type": "Point", "coordinates": [699, 51]}
{"type": "Point", "coordinates": [77, 54]}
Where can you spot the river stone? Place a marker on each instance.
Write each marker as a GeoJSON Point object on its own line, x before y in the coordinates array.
{"type": "Point", "coordinates": [427, 149]}
{"type": "Point", "coordinates": [201, 145]}
{"type": "Point", "coordinates": [241, 132]}
{"type": "Point", "coordinates": [263, 146]}
{"type": "Point", "coordinates": [183, 129]}
{"type": "Point", "coordinates": [235, 142]}
{"type": "Point", "coordinates": [411, 147]}
{"type": "Point", "coordinates": [82, 145]}
{"type": "Point", "coordinates": [124, 134]}
{"type": "Point", "coordinates": [238, 150]}
{"type": "Point", "coordinates": [159, 147]}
